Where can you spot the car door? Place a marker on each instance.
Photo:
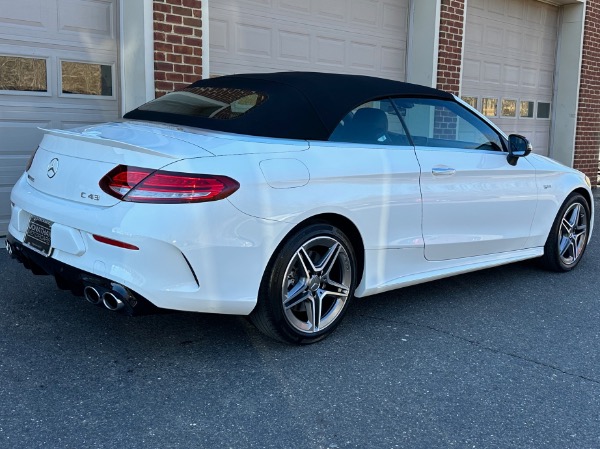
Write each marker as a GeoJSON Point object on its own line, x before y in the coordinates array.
{"type": "Point", "coordinates": [377, 179]}
{"type": "Point", "coordinates": [474, 202]}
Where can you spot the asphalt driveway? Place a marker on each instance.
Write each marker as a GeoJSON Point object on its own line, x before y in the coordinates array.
{"type": "Point", "coordinates": [506, 357]}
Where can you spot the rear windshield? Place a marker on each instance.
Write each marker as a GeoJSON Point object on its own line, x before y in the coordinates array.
{"type": "Point", "coordinates": [209, 102]}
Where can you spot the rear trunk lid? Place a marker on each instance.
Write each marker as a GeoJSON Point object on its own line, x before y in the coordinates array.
{"type": "Point", "coordinates": [70, 164]}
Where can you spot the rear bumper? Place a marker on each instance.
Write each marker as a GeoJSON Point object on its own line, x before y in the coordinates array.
{"type": "Point", "coordinates": [74, 279]}
{"type": "Point", "coordinates": [67, 277]}
{"type": "Point", "coordinates": [200, 258]}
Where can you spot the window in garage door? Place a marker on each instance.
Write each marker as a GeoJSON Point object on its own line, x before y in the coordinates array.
{"type": "Point", "coordinates": [509, 62]}
{"type": "Point", "coordinates": [58, 69]}
{"type": "Point", "coordinates": [346, 36]}
{"type": "Point", "coordinates": [23, 74]}
{"type": "Point", "coordinates": [84, 78]}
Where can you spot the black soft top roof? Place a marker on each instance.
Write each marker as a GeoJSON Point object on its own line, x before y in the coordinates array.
{"type": "Point", "coordinates": [300, 105]}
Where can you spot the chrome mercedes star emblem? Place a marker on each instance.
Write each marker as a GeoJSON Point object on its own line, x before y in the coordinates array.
{"type": "Point", "coordinates": [52, 168]}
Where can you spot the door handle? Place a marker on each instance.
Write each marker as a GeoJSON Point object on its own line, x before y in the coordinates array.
{"type": "Point", "coordinates": [442, 171]}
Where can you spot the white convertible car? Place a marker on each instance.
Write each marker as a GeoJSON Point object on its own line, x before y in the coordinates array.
{"type": "Point", "coordinates": [282, 196]}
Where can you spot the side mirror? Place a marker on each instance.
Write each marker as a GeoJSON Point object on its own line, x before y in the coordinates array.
{"type": "Point", "coordinates": [518, 146]}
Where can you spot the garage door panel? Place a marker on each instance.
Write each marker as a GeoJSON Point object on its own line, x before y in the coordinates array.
{"type": "Point", "coordinates": [44, 107]}
{"type": "Point", "coordinates": [471, 70]}
{"type": "Point", "coordinates": [26, 15]}
{"type": "Point", "coordinates": [393, 18]}
{"type": "Point", "coordinates": [510, 50]}
{"type": "Point", "coordinates": [242, 12]}
{"type": "Point", "coordinates": [497, 7]}
{"type": "Point", "coordinates": [363, 55]}
{"type": "Point", "coordinates": [294, 46]}
{"type": "Point", "coordinates": [492, 72]}
{"type": "Point", "coordinates": [491, 75]}
{"type": "Point", "coordinates": [77, 40]}
{"type": "Point", "coordinates": [546, 79]}
{"type": "Point", "coordinates": [531, 45]}
{"type": "Point", "coordinates": [494, 37]}
{"type": "Point", "coordinates": [87, 17]}
{"type": "Point", "coordinates": [476, 4]}
{"type": "Point", "coordinates": [393, 62]}
{"type": "Point", "coordinates": [219, 35]}
{"type": "Point", "coordinates": [330, 51]}
{"type": "Point", "coordinates": [294, 6]}
{"type": "Point", "coordinates": [5, 210]}
{"type": "Point", "coordinates": [541, 137]}
{"type": "Point", "coordinates": [297, 35]}
{"type": "Point", "coordinates": [50, 28]}
{"type": "Point", "coordinates": [253, 40]}
{"type": "Point", "coordinates": [364, 12]}
{"type": "Point", "coordinates": [515, 9]}
{"type": "Point", "coordinates": [331, 9]}
{"type": "Point", "coordinates": [11, 168]}
{"type": "Point", "coordinates": [529, 77]}
{"type": "Point", "coordinates": [511, 75]}
{"type": "Point", "coordinates": [514, 43]}
{"type": "Point", "coordinates": [86, 116]}
{"type": "Point", "coordinates": [534, 13]}
{"type": "Point", "coordinates": [21, 137]}
{"type": "Point", "coordinates": [548, 47]}
{"type": "Point", "coordinates": [474, 37]}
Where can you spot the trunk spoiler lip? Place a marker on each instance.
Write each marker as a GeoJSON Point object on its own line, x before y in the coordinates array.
{"type": "Point", "coordinates": [94, 137]}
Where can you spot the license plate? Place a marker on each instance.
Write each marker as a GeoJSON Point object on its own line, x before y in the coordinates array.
{"type": "Point", "coordinates": [37, 236]}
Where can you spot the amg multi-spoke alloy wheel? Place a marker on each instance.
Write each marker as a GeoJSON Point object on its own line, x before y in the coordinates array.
{"type": "Point", "coordinates": [569, 235]}
{"type": "Point", "coordinates": [307, 286]}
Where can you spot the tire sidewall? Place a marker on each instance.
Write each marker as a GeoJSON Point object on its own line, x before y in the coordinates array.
{"type": "Point", "coordinates": [552, 246]}
{"type": "Point", "coordinates": [273, 280]}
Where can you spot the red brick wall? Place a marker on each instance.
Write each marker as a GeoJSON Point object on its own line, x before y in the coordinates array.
{"type": "Point", "coordinates": [177, 44]}
{"type": "Point", "coordinates": [587, 138]}
{"type": "Point", "coordinates": [452, 16]}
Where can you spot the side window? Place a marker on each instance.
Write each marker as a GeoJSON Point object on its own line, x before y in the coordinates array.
{"type": "Point", "coordinates": [441, 123]}
{"type": "Point", "coordinates": [372, 123]}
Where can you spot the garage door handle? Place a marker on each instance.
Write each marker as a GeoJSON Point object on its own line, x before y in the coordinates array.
{"type": "Point", "coordinates": [443, 171]}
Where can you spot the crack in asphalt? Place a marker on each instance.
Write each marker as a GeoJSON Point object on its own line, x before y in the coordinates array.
{"type": "Point", "coordinates": [481, 345]}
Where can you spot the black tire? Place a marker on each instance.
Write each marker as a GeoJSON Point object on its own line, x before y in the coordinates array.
{"type": "Point", "coordinates": [568, 236]}
{"type": "Point", "coordinates": [304, 284]}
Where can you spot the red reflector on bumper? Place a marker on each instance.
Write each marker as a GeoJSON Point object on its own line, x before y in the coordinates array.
{"type": "Point", "coordinates": [116, 243]}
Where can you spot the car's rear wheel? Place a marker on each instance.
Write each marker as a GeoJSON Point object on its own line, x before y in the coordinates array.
{"type": "Point", "coordinates": [307, 286]}
{"type": "Point", "coordinates": [568, 237]}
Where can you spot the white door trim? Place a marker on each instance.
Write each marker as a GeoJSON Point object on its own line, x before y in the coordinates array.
{"type": "Point", "coordinates": [136, 53]}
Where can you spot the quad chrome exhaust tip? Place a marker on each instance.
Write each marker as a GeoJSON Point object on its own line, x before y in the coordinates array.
{"type": "Point", "coordinates": [116, 298]}
{"type": "Point", "coordinates": [92, 295]}
{"type": "Point", "coordinates": [112, 302]}
{"type": "Point", "coordinates": [98, 296]}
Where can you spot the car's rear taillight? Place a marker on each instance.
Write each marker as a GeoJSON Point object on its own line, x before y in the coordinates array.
{"type": "Point", "coordinates": [142, 185]}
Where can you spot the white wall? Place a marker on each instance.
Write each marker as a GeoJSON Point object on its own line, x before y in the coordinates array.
{"type": "Point", "coordinates": [566, 83]}
{"type": "Point", "coordinates": [423, 38]}
{"type": "Point", "coordinates": [136, 53]}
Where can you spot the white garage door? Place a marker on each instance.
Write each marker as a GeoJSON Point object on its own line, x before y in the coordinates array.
{"type": "Point", "coordinates": [509, 61]}
{"type": "Point", "coordinates": [365, 37]}
{"type": "Point", "coordinates": [58, 69]}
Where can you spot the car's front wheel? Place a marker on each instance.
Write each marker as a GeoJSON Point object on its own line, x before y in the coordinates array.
{"type": "Point", "coordinates": [307, 286]}
{"type": "Point", "coordinates": [569, 235]}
